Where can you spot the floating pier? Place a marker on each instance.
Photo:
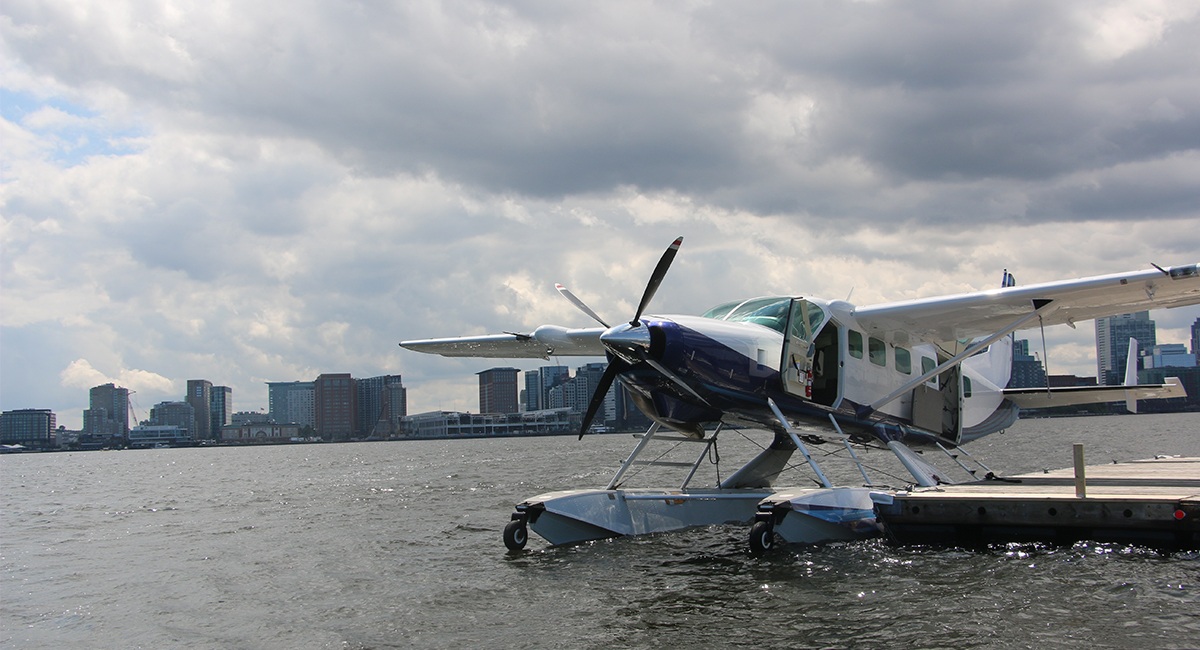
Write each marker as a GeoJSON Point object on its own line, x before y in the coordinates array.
{"type": "Point", "coordinates": [1154, 502]}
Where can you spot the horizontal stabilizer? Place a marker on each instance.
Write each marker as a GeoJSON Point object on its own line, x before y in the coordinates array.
{"type": "Point", "coordinates": [1037, 398]}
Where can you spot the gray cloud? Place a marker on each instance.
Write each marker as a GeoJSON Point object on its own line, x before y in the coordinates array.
{"type": "Point", "coordinates": [269, 192]}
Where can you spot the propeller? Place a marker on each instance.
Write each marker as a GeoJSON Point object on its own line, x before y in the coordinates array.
{"type": "Point", "coordinates": [580, 304]}
{"type": "Point", "coordinates": [656, 278]}
{"type": "Point", "coordinates": [618, 365]}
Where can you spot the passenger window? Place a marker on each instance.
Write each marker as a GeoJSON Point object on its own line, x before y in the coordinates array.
{"type": "Point", "coordinates": [966, 386]}
{"type": "Point", "coordinates": [877, 351]}
{"type": "Point", "coordinates": [856, 346]}
{"type": "Point", "coordinates": [903, 361]}
{"type": "Point", "coordinates": [927, 365]}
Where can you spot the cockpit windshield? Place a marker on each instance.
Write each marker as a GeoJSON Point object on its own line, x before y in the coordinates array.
{"type": "Point", "coordinates": [773, 312]}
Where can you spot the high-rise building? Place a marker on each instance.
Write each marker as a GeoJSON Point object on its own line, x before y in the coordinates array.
{"type": "Point", "coordinates": [34, 428]}
{"type": "Point", "coordinates": [199, 395]}
{"type": "Point", "coordinates": [108, 411]}
{"type": "Point", "coordinates": [1112, 343]}
{"type": "Point", "coordinates": [397, 402]}
{"type": "Point", "coordinates": [220, 410]}
{"type": "Point", "coordinates": [292, 402]}
{"type": "Point", "coordinates": [551, 377]}
{"type": "Point", "coordinates": [1196, 338]}
{"type": "Point", "coordinates": [587, 378]}
{"type": "Point", "coordinates": [382, 401]}
{"type": "Point", "coordinates": [336, 406]}
{"type": "Point", "coordinates": [1027, 370]}
{"type": "Point", "coordinates": [498, 390]}
{"type": "Point", "coordinates": [531, 397]}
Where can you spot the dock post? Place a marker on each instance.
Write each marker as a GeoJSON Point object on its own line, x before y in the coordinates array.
{"type": "Point", "coordinates": [1080, 477]}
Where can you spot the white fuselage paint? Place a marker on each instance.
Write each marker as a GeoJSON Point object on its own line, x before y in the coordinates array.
{"type": "Point", "coordinates": [861, 380]}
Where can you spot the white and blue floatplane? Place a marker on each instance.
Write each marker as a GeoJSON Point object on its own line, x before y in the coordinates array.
{"type": "Point", "coordinates": [927, 373]}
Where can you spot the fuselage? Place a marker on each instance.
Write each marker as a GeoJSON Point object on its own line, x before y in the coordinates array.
{"type": "Point", "coordinates": [811, 357]}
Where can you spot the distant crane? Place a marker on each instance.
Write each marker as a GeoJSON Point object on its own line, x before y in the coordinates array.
{"type": "Point", "coordinates": [133, 409]}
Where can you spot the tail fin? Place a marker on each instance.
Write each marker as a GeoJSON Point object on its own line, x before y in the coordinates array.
{"type": "Point", "coordinates": [1131, 378]}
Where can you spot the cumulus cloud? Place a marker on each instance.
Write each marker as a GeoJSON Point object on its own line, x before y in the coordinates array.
{"type": "Point", "coordinates": [80, 374]}
{"type": "Point", "coordinates": [262, 193]}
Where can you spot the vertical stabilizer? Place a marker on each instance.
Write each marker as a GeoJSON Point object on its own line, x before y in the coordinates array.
{"type": "Point", "coordinates": [1131, 375]}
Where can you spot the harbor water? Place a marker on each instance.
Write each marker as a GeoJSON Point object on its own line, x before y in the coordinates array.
{"type": "Point", "coordinates": [398, 545]}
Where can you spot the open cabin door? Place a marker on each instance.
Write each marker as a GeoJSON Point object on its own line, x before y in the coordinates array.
{"type": "Point", "coordinates": [810, 365]}
{"type": "Point", "coordinates": [938, 405]}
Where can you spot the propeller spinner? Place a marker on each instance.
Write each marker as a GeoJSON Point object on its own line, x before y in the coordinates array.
{"type": "Point", "coordinates": [628, 342]}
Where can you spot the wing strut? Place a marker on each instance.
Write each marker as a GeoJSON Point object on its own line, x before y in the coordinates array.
{"type": "Point", "coordinates": [799, 443]}
{"type": "Point", "coordinates": [846, 441]}
{"type": "Point", "coordinates": [1040, 308]}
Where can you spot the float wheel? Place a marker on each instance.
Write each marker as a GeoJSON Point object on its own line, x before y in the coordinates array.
{"type": "Point", "coordinates": [516, 535]}
{"type": "Point", "coordinates": [762, 538]}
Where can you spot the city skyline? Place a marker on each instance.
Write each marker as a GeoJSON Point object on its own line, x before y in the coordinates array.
{"type": "Point", "coordinates": [532, 390]}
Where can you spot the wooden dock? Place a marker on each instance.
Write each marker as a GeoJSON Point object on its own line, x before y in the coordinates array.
{"type": "Point", "coordinates": [1155, 502]}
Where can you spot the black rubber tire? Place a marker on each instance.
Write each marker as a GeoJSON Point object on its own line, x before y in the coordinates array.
{"type": "Point", "coordinates": [516, 535]}
{"type": "Point", "coordinates": [762, 538]}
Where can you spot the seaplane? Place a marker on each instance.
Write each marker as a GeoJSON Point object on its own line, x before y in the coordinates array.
{"type": "Point", "coordinates": [907, 376]}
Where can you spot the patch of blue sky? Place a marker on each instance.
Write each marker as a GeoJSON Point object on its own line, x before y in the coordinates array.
{"type": "Point", "coordinates": [71, 133]}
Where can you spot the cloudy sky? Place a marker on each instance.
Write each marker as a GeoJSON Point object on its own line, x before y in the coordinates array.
{"type": "Point", "coordinates": [252, 192]}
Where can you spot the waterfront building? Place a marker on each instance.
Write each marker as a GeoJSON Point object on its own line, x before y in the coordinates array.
{"type": "Point", "coordinates": [450, 424]}
{"type": "Point", "coordinates": [160, 435]}
{"type": "Point", "coordinates": [556, 398]}
{"type": "Point", "coordinates": [381, 402]}
{"type": "Point", "coordinates": [178, 414]}
{"type": "Point", "coordinates": [260, 433]}
{"type": "Point", "coordinates": [292, 402]}
{"type": "Point", "coordinates": [1112, 343]}
{"type": "Point", "coordinates": [1027, 370]}
{"type": "Point", "coordinates": [396, 405]}
{"type": "Point", "coordinates": [531, 397]}
{"type": "Point", "coordinates": [336, 405]}
{"type": "Point", "coordinates": [576, 394]}
{"type": "Point", "coordinates": [107, 414]}
{"type": "Point", "coordinates": [199, 395]}
{"type": "Point", "coordinates": [250, 417]}
{"type": "Point", "coordinates": [1196, 338]}
{"type": "Point", "coordinates": [33, 428]}
{"type": "Point", "coordinates": [220, 410]}
{"type": "Point", "coordinates": [1168, 355]}
{"type": "Point", "coordinates": [498, 390]}
{"type": "Point", "coordinates": [551, 377]}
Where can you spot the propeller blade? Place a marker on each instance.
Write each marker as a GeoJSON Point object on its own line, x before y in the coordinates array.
{"type": "Point", "coordinates": [656, 279]}
{"type": "Point", "coordinates": [606, 380]}
{"type": "Point", "coordinates": [566, 293]}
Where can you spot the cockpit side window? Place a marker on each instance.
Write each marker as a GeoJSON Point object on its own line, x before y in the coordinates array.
{"type": "Point", "coordinates": [721, 311]}
{"type": "Point", "coordinates": [773, 312]}
{"type": "Point", "coordinates": [768, 312]}
{"type": "Point", "coordinates": [773, 315]}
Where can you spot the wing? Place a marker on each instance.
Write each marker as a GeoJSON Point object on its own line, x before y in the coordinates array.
{"type": "Point", "coordinates": [969, 315]}
{"type": "Point", "coordinates": [1030, 398]}
{"type": "Point", "coordinates": [544, 342]}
